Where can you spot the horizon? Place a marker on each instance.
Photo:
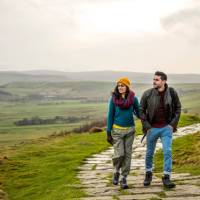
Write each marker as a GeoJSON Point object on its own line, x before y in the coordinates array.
{"type": "Point", "coordinates": [88, 71]}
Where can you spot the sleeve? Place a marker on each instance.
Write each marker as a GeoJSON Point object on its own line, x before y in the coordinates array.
{"type": "Point", "coordinates": [143, 106]}
{"type": "Point", "coordinates": [176, 110]}
{"type": "Point", "coordinates": [110, 115]}
{"type": "Point", "coordinates": [136, 107]}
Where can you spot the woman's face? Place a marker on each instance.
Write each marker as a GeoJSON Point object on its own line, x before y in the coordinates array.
{"type": "Point", "coordinates": [121, 88]}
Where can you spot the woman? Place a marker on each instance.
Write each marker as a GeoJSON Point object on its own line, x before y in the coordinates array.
{"type": "Point", "coordinates": [121, 128]}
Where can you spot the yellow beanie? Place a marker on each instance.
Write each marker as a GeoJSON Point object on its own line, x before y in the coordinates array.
{"type": "Point", "coordinates": [125, 81]}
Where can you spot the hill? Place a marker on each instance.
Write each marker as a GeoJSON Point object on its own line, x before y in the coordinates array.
{"type": "Point", "coordinates": [102, 76]}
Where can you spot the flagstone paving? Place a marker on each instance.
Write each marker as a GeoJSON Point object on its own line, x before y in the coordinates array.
{"type": "Point", "coordinates": [96, 174]}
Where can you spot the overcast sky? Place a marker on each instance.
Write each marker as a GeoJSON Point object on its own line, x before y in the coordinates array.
{"type": "Point", "coordinates": [85, 35]}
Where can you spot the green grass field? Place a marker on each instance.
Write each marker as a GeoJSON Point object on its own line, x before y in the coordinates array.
{"type": "Point", "coordinates": [11, 134]}
{"type": "Point", "coordinates": [47, 168]}
{"type": "Point", "coordinates": [191, 102]}
{"type": "Point", "coordinates": [40, 167]}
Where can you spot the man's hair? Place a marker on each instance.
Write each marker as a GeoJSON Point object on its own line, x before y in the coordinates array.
{"type": "Point", "coordinates": [162, 75]}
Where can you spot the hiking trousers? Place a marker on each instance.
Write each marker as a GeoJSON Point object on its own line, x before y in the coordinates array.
{"type": "Point", "coordinates": [122, 143]}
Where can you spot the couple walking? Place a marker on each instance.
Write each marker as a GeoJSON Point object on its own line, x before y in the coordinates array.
{"type": "Point", "coordinates": [159, 111]}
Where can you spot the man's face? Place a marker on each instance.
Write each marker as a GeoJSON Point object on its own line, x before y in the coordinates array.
{"type": "Point", "coordinates": [158, 82]}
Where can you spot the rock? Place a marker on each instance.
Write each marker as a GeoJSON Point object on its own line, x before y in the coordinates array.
{"type": "Point", "coordinates": [95, 130]}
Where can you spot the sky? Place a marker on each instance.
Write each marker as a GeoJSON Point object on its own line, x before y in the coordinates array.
{"type": "Point", "coordinates": [93, 35]}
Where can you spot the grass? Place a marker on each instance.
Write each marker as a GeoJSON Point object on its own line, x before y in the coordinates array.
{"type": "Point", "coordinates": [109, 177]}
{"type": "Point", "coordinates": [186, 155]}
{"type": "Point", "coordinates": [188, 119]}
{"type": "Point", "coordinates": [191, 102]}
{"type": "Point", "coordinates": [11, 112]}
{"type": "Point", "coordinates": [47, 170]}
{"type": "Point", "coordinates": [94, 167]}
{"type": "Point", "coordinates": [12, 135]}
{"type": "Point", "coordinates": [115, 197]}
{"type": "Point", "coordinates": [161, 194]}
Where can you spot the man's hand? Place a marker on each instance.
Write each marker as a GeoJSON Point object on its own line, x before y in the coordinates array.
{"type": "Point", "coordinates": [171, 127]}
{"type": "Point", "coordinates": [109, 138]}
{"type": "Point", "coordinates": [148, 131]}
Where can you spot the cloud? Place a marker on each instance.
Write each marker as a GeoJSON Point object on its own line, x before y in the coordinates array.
{"type": "Point", "coordinates": [185, 23]}
{"type": "Point", "coordinates": [49, 34]}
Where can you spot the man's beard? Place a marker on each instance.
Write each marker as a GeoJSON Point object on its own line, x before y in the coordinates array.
{"type": "Point", "coordinates": [156, 86]}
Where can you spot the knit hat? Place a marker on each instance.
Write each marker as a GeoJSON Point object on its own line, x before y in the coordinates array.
{"type": "Point", "coordinates": [125, 81]}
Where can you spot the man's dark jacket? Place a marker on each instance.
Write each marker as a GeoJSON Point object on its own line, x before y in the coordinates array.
{"type": "Point", "coordinates": [150, 102]}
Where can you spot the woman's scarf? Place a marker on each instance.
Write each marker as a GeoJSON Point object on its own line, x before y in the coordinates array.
{"type": "Point", "coordinates": [124, 103]}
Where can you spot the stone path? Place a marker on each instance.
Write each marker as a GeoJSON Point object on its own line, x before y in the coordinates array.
{"type": "Point", "coordinates": [95, 176]}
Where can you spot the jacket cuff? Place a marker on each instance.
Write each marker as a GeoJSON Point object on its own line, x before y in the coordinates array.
{"type": "Point", "coordinates": [146, 127]}
{"type": "Point", "coordinates": [108, 132]}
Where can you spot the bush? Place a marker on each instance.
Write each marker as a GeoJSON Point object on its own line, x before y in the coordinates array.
{"type": "Point", "coordinates": [56, 120]}
{"type": "Point", "coordinates": [89, 126]}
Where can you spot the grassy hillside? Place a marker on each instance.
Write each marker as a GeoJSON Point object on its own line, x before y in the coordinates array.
{"type": "Point", "coordinates": [87, 89]}
{"type": "Point", "coordinates": [11, 134]}
{"type": "Point", "coordinates": [68, 99]}
{"type": "Point", "coordinates": [101, 76]}
{"type": "Point", "coordinates": [46, 168]}
{"type": "Point", "coordinates": [64, 90]}
{"type": "Point", "coordinates": [186, 155]}
{"type": "Point", "coordinates": [191, 102]}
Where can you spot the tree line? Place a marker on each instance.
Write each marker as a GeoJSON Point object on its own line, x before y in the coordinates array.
{"type": "Point", "coordinates": [56, 120]}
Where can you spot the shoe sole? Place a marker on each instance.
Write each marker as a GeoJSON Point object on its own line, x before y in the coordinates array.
{"type": "Point", "coordinates": [124, 187]}
{"type": "Point", "coordinates": [169, 187]}
{"type": "Point", "coordinates": [146, 184]}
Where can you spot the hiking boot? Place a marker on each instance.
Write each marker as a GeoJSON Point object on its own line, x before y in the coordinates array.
{"type": "Point", "coordinates": [166, 182]}
{"type": "Point", "coordinates": [115, 180]}
{"type": "Point", "coordinates": [123, 183]}
{"type": "Point", "coordinates": [148, 178]}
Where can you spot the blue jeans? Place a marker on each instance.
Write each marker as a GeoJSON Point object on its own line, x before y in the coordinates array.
{"type": "Point", "coordinates": [165, 134]}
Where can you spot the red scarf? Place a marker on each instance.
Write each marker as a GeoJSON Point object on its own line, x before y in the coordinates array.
{"type": "Point", "coordinates": [124, 103]}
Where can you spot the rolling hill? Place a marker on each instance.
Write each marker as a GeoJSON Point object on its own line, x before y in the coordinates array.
{"type": "Point", "coordinates": [102, 76]}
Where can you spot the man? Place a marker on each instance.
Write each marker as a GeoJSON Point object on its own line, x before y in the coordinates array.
{"type": "Point", "coordinates": [160, 112]}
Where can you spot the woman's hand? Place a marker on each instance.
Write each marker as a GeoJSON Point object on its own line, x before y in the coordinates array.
{"type": "Point", "coordinates": [109, 138]}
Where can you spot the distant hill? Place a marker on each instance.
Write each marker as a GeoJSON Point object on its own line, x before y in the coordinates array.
{"type": "Point", "coordinates": [104, 76]}
{"type": "Point", "coordinates": [9, 77]}
{"type": "Point", "coordinates": [88, 92]}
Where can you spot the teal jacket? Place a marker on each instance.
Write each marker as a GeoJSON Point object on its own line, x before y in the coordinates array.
{"type": "Point", "coordinates": [122, 117]}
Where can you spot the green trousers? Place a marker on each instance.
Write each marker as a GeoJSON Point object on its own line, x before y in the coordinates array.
{"type": "Point", "coordinates": [122, 143]}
